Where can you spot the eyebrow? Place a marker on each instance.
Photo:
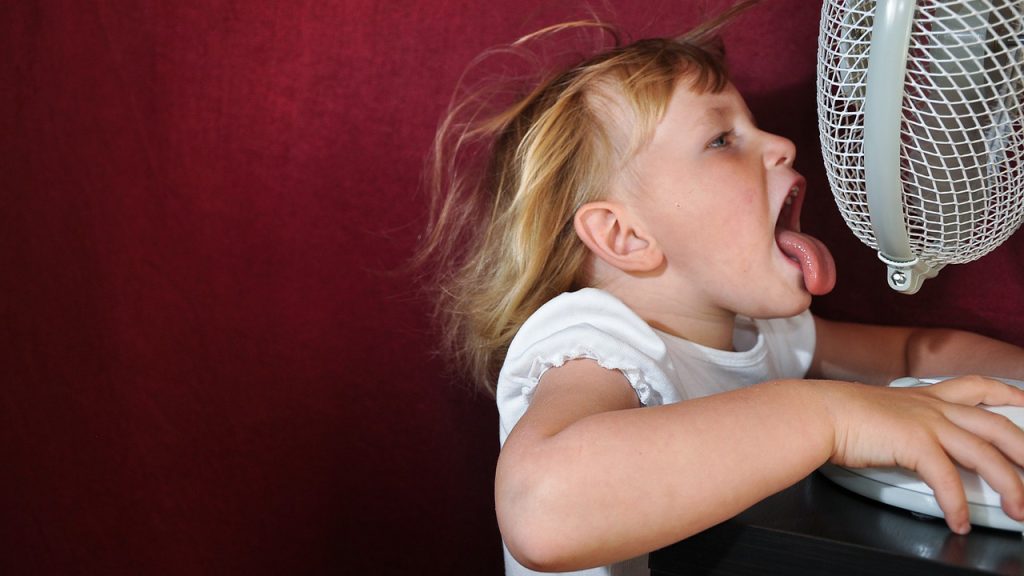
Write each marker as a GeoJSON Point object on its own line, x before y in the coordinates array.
{"type": "Point", "coordinates": [712, 116]}
{"type": "Point", "coordinates": [718, 113]}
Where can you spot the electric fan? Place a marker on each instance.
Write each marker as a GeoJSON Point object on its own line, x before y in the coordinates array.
{"type": "Point", "coordinates": [920, 114]}
{"type": "Point", "coordinates": [922, 132]}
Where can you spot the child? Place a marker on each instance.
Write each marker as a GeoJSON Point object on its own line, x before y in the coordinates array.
{"type": "Point", "coordinates": [639, 289]}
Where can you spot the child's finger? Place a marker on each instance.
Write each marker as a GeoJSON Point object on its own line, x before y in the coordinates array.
{"type": "Point", "coordinates": [976, 453]}
{"type": "Point", "coordinates": [974, 390]}
{"type": "Point", "coordinates": [996, 429]}
{"type": "Point", "coordinates": [938, 471]}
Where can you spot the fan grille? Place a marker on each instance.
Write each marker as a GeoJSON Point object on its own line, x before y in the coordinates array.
{"type": "Point", "coordinates": [962, 132]}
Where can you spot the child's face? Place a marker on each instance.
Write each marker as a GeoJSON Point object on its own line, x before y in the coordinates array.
{"type": "Point", "coordinates": [717, 194]}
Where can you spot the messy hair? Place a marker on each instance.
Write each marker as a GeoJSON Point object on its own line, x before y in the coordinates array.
{"type": "Point", "coordinates": [501, 235]}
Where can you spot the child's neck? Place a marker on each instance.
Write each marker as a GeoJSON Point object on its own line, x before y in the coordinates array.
{"type": "Point", "coordinates": [711, 327]}
{"type": "Point", "coordinates": [714, 333]}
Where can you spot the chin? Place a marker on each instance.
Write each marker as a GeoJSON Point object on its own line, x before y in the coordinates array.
{"type": "Point", "coordinates": [803, 303]}
{"type": "Point", "coordinates": [788, 304]}
{"type": "Point", "coordinates": [779, 305]}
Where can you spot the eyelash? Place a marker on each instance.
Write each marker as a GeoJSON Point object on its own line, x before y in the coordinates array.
{"type": "Point", "coordinates": [724, 137]}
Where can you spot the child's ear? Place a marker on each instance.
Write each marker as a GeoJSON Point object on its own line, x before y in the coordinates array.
{"type": "Point", "coordinates": [608, 229]}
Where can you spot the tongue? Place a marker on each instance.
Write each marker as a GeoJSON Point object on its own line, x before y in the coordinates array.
{"type": "Point", "coordinates": [815, 260]}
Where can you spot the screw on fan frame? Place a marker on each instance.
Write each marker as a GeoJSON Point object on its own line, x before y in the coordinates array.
{"type": "Point", "coordinates": [883, 109]}
{"type": "Point", "coordinates": [921, 116]}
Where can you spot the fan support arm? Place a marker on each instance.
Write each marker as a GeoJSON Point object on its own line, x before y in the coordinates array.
{"type": "Point", "coordinates": [883, 102]}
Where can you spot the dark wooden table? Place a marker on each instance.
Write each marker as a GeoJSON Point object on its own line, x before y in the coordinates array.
{"type": "Point", "coordinates": [816, 527]}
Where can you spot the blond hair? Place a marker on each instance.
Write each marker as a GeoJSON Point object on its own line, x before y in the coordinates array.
{"type": "Point", "coordinates": [503, 235]}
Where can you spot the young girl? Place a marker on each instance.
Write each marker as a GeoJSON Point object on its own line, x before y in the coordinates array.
{"type": "Point", "coordinates": [628, 274]}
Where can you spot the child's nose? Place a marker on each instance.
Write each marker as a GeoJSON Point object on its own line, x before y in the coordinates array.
{"type": "Point", "coordinates": [779, 151]}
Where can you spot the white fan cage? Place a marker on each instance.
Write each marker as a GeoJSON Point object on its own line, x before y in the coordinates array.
{"type": "Point", "coordinates": [961, 136]}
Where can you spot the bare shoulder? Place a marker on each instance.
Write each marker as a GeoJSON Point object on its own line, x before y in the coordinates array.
{"type": "Point", "coordinates": [573, 391]}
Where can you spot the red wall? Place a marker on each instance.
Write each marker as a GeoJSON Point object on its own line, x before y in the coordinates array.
{"type": "Point", "coordinates": [212, 362]}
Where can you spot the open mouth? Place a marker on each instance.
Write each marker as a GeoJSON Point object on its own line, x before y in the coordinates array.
{"type": "Point", "coordinates": [808, 253]}
{"type": "Point", "coordinates": [789, 220]}
{"type": "Point", "coordinates": [789, 215]}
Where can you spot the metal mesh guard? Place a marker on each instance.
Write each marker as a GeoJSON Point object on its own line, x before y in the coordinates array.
{"type": "Point", "coordinates": [962, 133]}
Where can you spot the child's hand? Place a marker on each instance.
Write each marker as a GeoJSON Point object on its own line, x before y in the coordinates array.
{"type": "Point", "coordinates": [926, 428]}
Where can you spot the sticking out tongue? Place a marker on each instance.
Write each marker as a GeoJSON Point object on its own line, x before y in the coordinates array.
{"type": "Point", "coordinates": [814, 258]}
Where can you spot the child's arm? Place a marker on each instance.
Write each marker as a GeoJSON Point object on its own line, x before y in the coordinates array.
{"type": "Point", "coordinates": [587, 478]}
{"type": "Point", "coordinates": [879, 354]}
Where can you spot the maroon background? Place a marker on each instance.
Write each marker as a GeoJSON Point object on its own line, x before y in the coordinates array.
{"type": "Point", "coordinates": [209, 365]}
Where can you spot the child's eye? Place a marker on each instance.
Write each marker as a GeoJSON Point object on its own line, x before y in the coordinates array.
{"type": "Point", "coordinates": [721, 141]}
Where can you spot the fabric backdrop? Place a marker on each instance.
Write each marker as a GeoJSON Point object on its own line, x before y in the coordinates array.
{"type": "Point", "coordinates": [213, 361]}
